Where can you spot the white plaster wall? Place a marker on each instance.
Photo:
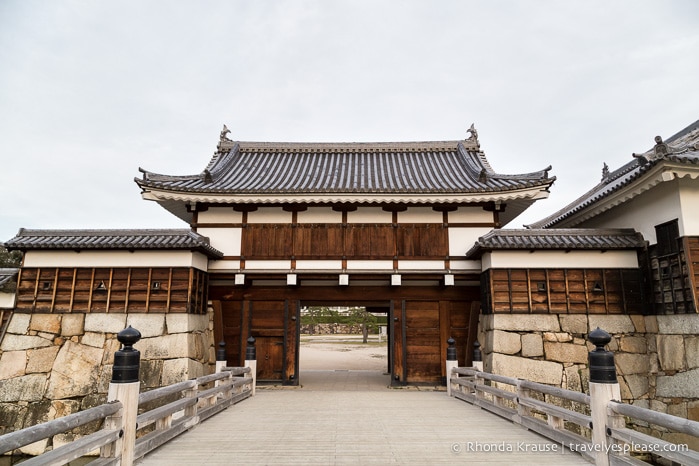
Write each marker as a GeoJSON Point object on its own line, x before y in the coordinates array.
{"type": "Point", "coordinates": [115, 259]}
{"type": "Point", "coordinates": [269, 215]}
{"type": "Point", "coordinates": [271, 265]}
{"type": "Point", "coordinates": [658, 205]}
{"type": "Point", "coordinates": [559, 259]}
{"type": "Point", "coordinates": [318, 265]}
{"type": "Point", "coordinates": [689, 203]}
{"type": "Point", "coordinates": [420, 215]}
{"type": "Point", "coordinates": [369, 215]}
{"type": "Point", "coordinates": [369, 265]}
{"type": "Point", "coordinates": [319, 215]}
{"type": "Point", "coordinates": [421, 265]}
{"type": "Point", "coordinates": [7, 300]}
{"type": "Point", "coordinates": [471, 215]}
{"type": "Point", "coordinates": [221, 265]}
{"type": "Point", "coordinates": [465, 265]}
{"type": "Point", "coordinates": [463, 239]}
{"type": "Point", "coordinates": [226, 240]}
{"type": "Point", "coordinates": [220, 215]}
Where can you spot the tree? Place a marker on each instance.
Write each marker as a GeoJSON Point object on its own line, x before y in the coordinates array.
{"type": "Point", "coordinates": [367, 321]}
{"type": "Point", "coordinates": [10, 258]}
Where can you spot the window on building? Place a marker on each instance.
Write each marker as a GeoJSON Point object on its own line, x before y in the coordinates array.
{"type": "Point", "coordinates": [667, 234]}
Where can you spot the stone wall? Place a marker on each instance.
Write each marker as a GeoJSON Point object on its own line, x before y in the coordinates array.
{"type": "Point", "coordinates": [52, 365]}
{"type": "Point", "coordinates": [657, 357]}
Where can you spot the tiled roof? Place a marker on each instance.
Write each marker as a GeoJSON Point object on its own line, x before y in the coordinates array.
{"type": "Point", "coordinates": [112, 239]}
{"type": "Point", "coordinates": [7, 274]}
{"type": "Point", "coordinates": [558, 238]}
{"type": "Point", "coordinates": [682, 148]}
{"type": "Point", "coordinates": [263, 168]}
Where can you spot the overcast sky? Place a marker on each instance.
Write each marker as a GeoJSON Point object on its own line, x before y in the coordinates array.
{"type": "Point", "coordinates": [91, 90]}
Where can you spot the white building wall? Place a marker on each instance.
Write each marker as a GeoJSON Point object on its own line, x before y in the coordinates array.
{"type": "Point", "coordinates": [53, 258]}
{"type": "Point", "coordinates": [689, 206]}
{"type": "Point", "coordinates": [471, 215]}
{"type": "Point", "coordinates": [7, 300]}
{"type": "Point", "coordinates": [319, 215]}
{"type": "Point", "coordinates": [658, 205]}
{"type": "Point", "coordinates": [220, 215]}
{"type": "Point", "coordinates": [559, 259]}
{"type": "Point", "coordinates": [420, 215]}
{"type": "Point", "coordinates": [269, 215]}
{"type": "Point", "coordinates": [226, 240]}
{"type": "Point", "coordinates": [463, 239]}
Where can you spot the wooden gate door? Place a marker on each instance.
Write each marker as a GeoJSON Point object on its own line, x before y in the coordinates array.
{"type": "Point", "coordinates": [267, 326]}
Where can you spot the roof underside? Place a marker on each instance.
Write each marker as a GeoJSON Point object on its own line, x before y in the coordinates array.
{"type": "Point", "coordinates": [557, 239]}
{"type": "Point", "coordinates": [112, 240]}
{"type": "Point", "coordinates": [682, 149]}
{"type": "Point", "coordinates": [359, 173]}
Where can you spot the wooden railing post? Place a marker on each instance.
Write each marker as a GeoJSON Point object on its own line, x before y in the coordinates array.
{"type": "Point", "coordinates": [124, 387]}
{"type": "Point", "coordinates": [478, 365]}
{"type": "Point", "coordinates": [251, 362]}
{"type": "Point", "coordinates": [604, 387]}
{"type": "Point", "coordinates": [451, 363]}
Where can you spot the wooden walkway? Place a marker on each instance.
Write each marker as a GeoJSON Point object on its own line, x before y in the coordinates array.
{"type": "Point", "coordinates": [351, 417]}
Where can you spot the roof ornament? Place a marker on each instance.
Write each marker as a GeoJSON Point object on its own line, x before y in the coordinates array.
{"type": "Point", "coordinates": [206, 174]}
{"type": "Point", "coordinates": [605, 172]}
{"type": "Point", "coordinates": [473, 135]}
{"type": "Point", "coordinates": [224, 141]}
{"type": "Point", "coordinates": [483, 176]}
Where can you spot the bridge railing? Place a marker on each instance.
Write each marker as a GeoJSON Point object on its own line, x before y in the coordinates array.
{"type": "Point", "coordinates": [135, 424]}
{"type": "Point", "coordinates": [595, 424]}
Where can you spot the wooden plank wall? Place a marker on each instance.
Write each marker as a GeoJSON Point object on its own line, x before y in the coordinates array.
{"type": "Point", "coordinates": [674, 278]}
{"type": "Point", "coordinates": [358, 241]}
{"type": "Point", "coordinates": [564, 291]}
{"type": "Point", "coordinates": [64, 289]}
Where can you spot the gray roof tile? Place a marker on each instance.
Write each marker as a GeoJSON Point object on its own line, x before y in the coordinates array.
{"type": "Point", "coordinates": [558, 238]}
{"type": "Point", "coordinates": [112, 239]}
{"type": "Point", "coordinates": [7, 275]}
{"type": "Point", "coordinates": [332, 168]}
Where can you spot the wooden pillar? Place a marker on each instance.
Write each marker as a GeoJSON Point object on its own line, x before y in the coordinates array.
{"type": "Point", "coordinates": [604, 388]}
{"type": "Point", "coordinates": [451, 363]}
{"type": "Point", "coordinates": [251, 361]}
{"type": "Point", "coordinates": [124, 387]}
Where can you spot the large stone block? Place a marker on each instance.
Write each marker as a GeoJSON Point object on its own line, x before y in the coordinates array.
{"type": "Point", "coordinates": [628, 363]}
{"type": "Point", "coordinates": [150, 325]}
{"type": "Point", "coordinates": [639, 322]}
{"type": "Point", "coordinates": [574, 323]}
{"type": "Point", "coordinates": [565, 352]}
{"type": "Point", "coordinates": [526, 322]}
{"type": "Point", "coordinates": [150, 373]}
{"type": "Point", "coordinates": [42, 359]}
{"type": "Point", "coordinates": [679, 324]}
{"type": "Point", "coordinates": [184, 323]}
{"type": "Point", "coordinates": [49, 323]}
{"type": "Point", "coordinates": [19, 323]}
{"type": "Point", "coordinates": [72, 325]}
{"type": "Point", "coordinates": [631, 344]}
{"type": "Point", "coordinates": [75, 371]}
{"type": "Point", "coordinates": [26, 388]}
{"type": "Point", "coordinates": [670, 352]}
{"type": "Point", "coordinates": [93, 339]}
{"type": "Point", "coordinates": [23, 342]}
{"type": "Point", "coordinates": [179, 345]}
{"type": "Point", "coordinates": [691, 347]}
{"type": "Point", "coordinates": [532, 345]}
{"type": "Point", "coordinates": [539, 371]}
{"type": "Point", "coordinates": [105, 323]}
{"type": "Point", "coordinates": [638, 385]}
{"type": "Point", "coordinates": [680, 385]}
{"type": "Point", "coordinates": [177, 370]}
{"type": "Point", "coordinates": [13, 364]}
{"type": "Point", "coordinates": [612, 324]}
{"type": "Point", "coordinates": [506, 342]}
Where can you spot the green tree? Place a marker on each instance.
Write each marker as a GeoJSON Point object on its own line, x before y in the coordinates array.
{"type": "Point", "coordinates": [367, 321]}
{"type": "Point", "coordinates": [10, 258]}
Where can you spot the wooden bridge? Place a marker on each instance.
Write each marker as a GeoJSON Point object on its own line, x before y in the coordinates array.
{"type": "Point", "coordinates": [354, 417]}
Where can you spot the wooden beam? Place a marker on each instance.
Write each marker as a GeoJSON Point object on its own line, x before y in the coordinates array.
{"type": "Point", "coordinates": [128, 290]}
{"type": "Point", "coordinates": [72, 290]}
{"type": "Point", "coordinates": [92, 290]}
{"type": "Point", "coordinates": [169, 291]}
{"type": "Point", "coordinates": [55, 288]}
{"type": "Point", "coordinates": [150, 276]}
{"type": "Point", "coordinates": [109, 289]}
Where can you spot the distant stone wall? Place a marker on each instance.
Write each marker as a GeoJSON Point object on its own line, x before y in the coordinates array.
{"type": "Point", "coordinates": [657, 357]}
{"type": "Point", "coordinates": [331, 329]}
{"type": "Point", "coordinates": [52, 365]}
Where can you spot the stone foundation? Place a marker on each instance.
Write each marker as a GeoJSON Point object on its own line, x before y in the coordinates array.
{"type": "Point", "coordinates": [52, 365]}
{"type": "Point", "coordinates": [657, 357]}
